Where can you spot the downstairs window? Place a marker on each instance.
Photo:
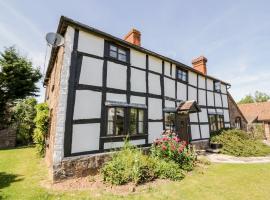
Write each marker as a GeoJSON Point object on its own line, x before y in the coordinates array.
{"type": "Point", "coordinates": [216, 122]}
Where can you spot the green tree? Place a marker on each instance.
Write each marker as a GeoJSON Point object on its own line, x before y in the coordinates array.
{"type": "Point", "coordinates": [261, 97]}
{"type": "Point", "coordinates": [18, 80]}
{"type": "Point", "coordinates": [23, 115]}
{"type": "Point", "coordinates": [258, 97]}
{"type": "Point", "coordinates": [247, 99]}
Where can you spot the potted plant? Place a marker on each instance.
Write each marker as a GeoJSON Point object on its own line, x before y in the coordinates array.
{"type": "Point", "coordinates": [215, 145]}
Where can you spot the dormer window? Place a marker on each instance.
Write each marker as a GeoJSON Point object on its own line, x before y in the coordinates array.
{"type": "Point", "coordinates": [217, 86]}
{"type": "Point", "coordinates": [118, 53]}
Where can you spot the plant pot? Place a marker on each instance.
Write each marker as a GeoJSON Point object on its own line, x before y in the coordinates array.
{"type": "Point", "coordinates": [216, 146]}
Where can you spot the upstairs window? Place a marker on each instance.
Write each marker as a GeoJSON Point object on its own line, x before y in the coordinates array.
{"type": "Point", "coordinates": [216, 122]}
{"type": "Point", "coordinates": [181, 75]}
{"type": "Point", "coordinates": [118, 53]}
{"type": "Point", "coordinates": [217, 86]}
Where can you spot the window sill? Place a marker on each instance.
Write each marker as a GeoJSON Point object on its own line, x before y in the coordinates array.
{"type": "Point", "coordinates": [122, 137]}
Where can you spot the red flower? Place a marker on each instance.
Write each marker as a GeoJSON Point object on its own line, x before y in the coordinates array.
{"type": "Point", "coordinates": [164, 147]}
{"type": "Point", "coordinates": [165, 139]}
{"type": "Point", "coordinates": [180, 149]}
{"type": "Point", "coordinates": [172, 147]}
{"type": "Point", "coordinates": [184, 143]}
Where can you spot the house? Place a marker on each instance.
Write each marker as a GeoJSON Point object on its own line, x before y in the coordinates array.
{"type": "Point", "coordinates": [237, 118]}
{"type": "Point", "coordinates": [101, 88]}
{"type": "Point", "coordinates": [257, 113]}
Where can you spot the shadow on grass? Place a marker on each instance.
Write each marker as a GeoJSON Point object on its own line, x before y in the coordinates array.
{"type": "Point", "coordinates": [18, 147]}
{"type": "Point", "coordinates": [6, 179]}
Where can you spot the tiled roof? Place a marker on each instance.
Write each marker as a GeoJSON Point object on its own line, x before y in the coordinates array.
{"type": "Point", "coordinates": [190, 106]}
{"type": "Point", "coordinates": [256, 111]}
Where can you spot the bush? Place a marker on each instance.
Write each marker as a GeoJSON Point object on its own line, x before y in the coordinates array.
{"type": "Point", "coordinates": [238, 143]}
{"type": "Point", "coordinates": [23, 114]}
{"type": "Point", "coordinates": [131, 165]}
{"type": "Point", "coordinates": [41, 130]}
{"type": "Point", "coordinates": [169, 147]}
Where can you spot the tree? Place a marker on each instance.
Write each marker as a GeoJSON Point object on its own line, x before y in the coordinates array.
{"type": "Point", "coordinates": [23, 115]}
{"type": "Point", "coordinates": [258, 97]}
{"type": "Point", "coordinates": [18, 80]}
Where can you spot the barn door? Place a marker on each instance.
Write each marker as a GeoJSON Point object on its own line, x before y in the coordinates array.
{"type": "Point", "coordinates": [182, 126]}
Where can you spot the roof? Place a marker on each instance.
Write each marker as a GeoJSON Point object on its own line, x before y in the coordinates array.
{"type": "Point", "coordinates": [65, 22]}
{"type": "Point", "coordinates": [190, 106]}
{"type": "Point", "coordinates": [256, 111]}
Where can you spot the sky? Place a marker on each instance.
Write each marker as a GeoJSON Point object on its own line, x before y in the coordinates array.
{"type": "Point", "coordinates": [233, 35]}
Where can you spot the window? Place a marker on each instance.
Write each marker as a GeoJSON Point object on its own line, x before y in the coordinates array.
{"type": "Point", "coordinates": [217, 86]}
{"type": "Point", "coordinates": [238, 122]}
{"type": "Point", "coordinates": [216, 122]}
{"type": "Point", "coordinates": [181, 75]}
{"type": "Point", "coordinates": [118, 53]}
{"type": "Point", "coordinates": [169, 121]}
{"type": "Point", "coordinates": [118, 117]}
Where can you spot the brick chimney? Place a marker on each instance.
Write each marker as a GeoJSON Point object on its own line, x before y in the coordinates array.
{"type": "Point", "coordinates": [134, 37]}
{"type": "Point", "coordinates": [200, 64]}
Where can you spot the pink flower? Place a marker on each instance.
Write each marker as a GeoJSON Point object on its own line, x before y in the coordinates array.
{"type": "Point", "coordinates": [164, 147]}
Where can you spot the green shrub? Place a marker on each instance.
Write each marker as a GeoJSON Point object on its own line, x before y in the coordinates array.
{"type": "Point", "coordinates": [169, 147]}
{"type": "Point", "coordinates": [238, 143]}
{"type": "Point", "coordinates": [41, 130]}
{"type": "Point", "coordinates": [131, 165]}
{"type": "Point", "coordinates": [23, 114]}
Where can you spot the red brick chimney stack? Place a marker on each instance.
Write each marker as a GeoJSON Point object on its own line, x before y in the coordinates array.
{"type": "Point", "coordinates": [200, 64]}
{"type": "Point", "coordinates": [134, 37]}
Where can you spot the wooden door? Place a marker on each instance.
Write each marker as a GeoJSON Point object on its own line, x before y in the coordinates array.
{"type": "Point", "coordinates": [182, 127]}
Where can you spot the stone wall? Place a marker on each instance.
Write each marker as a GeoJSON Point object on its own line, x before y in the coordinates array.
{"type": "Point", "coordinates": [235, 112]}
{"type": "Point", "coordinates": [200, 145]}
{"type": "Point", "coordinates": [7, 138]}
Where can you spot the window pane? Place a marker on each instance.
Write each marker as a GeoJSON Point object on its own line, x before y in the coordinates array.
{"type": "Point", "coordinates": [110, 121]}
{"type": "Point", "coordinates": [141, 115]}
{"type": "Point", "coordinates": [112, 47]}
{"type": "Point", "coordinates": [122, 57]}
{"type": "Point", "coordinates": [212, 122]}
{"type": "Point", "coordinates": [140, 127]}
{"type": "Point", "coordinates": [133, 121]}
{"type": "Point", "coordinates": [121, 51]}
{"type": "Point", "coordinates": [170, 121]}
{"type": "Point", "coordinates": [119, 121]}
{"type": "Point", "coordinates": [113, 54]}
{"type": "Point", "coordinates": [110, 128]}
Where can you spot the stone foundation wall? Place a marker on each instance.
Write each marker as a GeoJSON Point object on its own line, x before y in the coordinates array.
{"type": "Point", "coordinates": [7, 138]}
{"type": "Point", "coordinates": [200, 145]}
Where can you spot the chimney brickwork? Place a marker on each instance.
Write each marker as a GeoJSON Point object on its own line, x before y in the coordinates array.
{"type": "Point", "coordinates": [200, 64]}
{"type": "Point", "coordinates": [134, 37]}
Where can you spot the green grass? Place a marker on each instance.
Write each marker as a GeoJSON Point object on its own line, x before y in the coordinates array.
{"type": "Point", "coordinates": [21, 173]}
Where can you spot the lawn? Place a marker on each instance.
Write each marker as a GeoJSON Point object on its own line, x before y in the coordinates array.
{"type": "Point", "coordinates": [21, 174]}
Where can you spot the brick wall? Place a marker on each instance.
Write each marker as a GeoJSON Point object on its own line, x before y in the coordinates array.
{"type": "Point", "coordinates": [7, 138]}
{"type": "Point", "coordinates": [234, 113]}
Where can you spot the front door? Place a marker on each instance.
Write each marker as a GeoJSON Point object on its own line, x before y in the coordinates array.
{"type": "Point", "coordinates": [181, 126]}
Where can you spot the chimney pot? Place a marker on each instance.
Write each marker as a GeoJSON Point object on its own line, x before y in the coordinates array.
{"type": "Point", "coordinates": [199, 64]}
{"type": "Point", "coordinates": [134, 37]}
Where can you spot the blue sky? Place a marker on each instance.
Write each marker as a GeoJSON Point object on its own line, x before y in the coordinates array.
{"type": "Point", "coordinates": [233, 35]}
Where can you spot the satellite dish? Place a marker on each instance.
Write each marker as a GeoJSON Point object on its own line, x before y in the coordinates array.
{"type": "Point", "coordinates": [54, 39]}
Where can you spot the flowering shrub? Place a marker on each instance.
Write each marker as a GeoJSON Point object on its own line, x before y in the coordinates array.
{"type": "Point", "coordinates": [170, 147]}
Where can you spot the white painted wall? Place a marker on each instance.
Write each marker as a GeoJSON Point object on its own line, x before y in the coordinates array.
{"type": "Point", "coordinates": [154, 84]}
{"type": "Point", "coordinates": [117, 76]}
{"type": "Point", "coordinates": [154, 108]}
{"type": "Point", "coordinates": [169, 104]}
{"type": "Point", "coordinates": [218, 99]}
{"type": "Point", "coordinates": [203, 115]}
{"type": "Point", "coordinates": [169, 87]}
{"type": "Point", "coordinates": [205, 131]}
{"type": "Point", "coordinates": [87, 104]}
{"type": "Point", "coordinates": [116, 97]}
{"type": "Point", "coordinates": [113, 145]}
{"type": "Point", "coordinates": [137, 99]}
{"type": "Point", "coordinates": [195, 132]}
{"type": "Point", "coordinates": [137, 59]}
{"type": "Point", "coordinates": [202, 97]}
{"type": "Point", "coordinates": [192, 78]}
{"type": "Point", "coordinates": [223, 88]}
{"type": "Point", "coordinates": [201, 83]}
{"type": "Point", "coordinates": [85, 137]}
{"type": "Point", "coordinates": [210, 98]}
{"type": "Point", "coordinates": [154, 131]}
{"type": "Point", "coordinates": [155, 64]}
{"type": "Point", "coordinates": [193, 117]}
{"type": "Point", "coordinates": [91, 44]}
{"type": "Point", "coordinates": [91, 71]}
{"type": "Point", "coordinates": [226, 116]}
{"type": "Point", "coordinates": [167, 70]}
{"type": "Point", "coordinates": [192, 93]}
{"type": "Point", "coordinates": [210, 84]}
{"type": "Point", "coordinates": [225, 100]}
{"type": "Point", "coordinates": [138, 80]}
{"type": "Point", "coordinates": [181, 91]}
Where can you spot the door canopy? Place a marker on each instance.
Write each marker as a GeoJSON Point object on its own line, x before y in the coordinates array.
{"type": "Point", "coordinates": [188, 107]}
